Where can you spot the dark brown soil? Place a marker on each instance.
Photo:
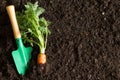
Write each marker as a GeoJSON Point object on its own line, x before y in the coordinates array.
{"type": "Point", "coordinates": [84, 44]}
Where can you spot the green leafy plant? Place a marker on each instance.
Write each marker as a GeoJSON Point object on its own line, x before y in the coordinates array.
{"type": "Point", "coordinates": [34, 29]}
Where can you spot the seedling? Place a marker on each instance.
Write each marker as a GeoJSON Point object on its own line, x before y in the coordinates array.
{"type": "Point", "coordinates": [34, 29]}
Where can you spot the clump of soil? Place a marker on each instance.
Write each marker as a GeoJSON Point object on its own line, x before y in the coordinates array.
{"type": "Point", "coordinates": [84, 44]}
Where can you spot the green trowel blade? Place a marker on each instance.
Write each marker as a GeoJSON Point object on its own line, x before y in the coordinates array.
{"type": "Point", "coordinates": [21, 56]}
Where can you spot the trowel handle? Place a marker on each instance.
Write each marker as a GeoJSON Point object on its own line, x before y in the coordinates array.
{"type": "Point", "coordinates": [11, 12]}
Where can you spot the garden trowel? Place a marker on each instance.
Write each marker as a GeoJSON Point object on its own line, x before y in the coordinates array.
{"type": "Point", "coordinates": [22, 55]}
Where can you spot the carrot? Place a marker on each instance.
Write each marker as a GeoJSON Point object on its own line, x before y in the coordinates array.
{"type": "Point", "coordinates": [35, 31]}
{"type": "Point", "coordinates": [41, 58]}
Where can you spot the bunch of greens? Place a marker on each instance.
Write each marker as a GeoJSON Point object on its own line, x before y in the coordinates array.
{"type": "Point", "coordinates": [34, 29]}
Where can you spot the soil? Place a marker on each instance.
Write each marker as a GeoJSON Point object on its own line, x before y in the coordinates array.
{"type": "Point", "coordinates": [84, 44]}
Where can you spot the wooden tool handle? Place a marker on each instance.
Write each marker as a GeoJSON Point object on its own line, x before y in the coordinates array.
{"type": "Point", "coordinates": [11, 12]}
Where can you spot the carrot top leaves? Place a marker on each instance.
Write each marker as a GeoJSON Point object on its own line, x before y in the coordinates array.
{"type": "Point", "coordinates": [34, 29]}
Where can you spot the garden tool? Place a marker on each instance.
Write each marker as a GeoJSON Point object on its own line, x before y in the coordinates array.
{"type": "Point", "coordinates": [22, 55]}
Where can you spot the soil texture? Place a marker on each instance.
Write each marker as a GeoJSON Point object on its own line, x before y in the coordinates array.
{"type": "Point", "coordinates": [84, 44]}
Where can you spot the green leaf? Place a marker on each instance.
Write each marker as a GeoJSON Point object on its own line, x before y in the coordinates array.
{"type": "Point", "coordinates": [34, 29]}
